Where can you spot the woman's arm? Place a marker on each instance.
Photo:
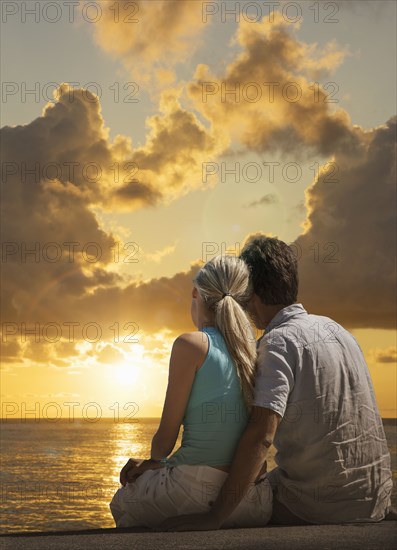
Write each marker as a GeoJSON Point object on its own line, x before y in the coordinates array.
{"type": "Point", "coordinates": [188, 353]}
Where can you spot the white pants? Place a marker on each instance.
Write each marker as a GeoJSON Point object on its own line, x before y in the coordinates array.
{"type": "Point", "coordinates": [186, 489]}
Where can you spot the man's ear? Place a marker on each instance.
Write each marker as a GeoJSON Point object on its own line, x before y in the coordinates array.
{"type": "Point", "coordinates": [194, 292]}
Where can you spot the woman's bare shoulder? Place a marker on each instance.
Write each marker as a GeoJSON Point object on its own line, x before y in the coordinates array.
{"type": "Point", "coordinates": [192, 340]}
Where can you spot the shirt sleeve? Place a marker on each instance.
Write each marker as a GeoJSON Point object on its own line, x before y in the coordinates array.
{"type": "Point", "coordinates": [274, 380]}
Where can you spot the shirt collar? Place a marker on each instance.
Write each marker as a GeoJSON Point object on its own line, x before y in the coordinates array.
{"type": "Point", "coordinates": [285, 314]}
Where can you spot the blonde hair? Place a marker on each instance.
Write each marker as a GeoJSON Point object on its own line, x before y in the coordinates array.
{"type": "Point", "coordinates": [225, 287]}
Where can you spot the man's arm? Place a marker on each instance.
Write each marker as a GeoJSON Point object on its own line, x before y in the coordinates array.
{"type": "Point", "coordinates": [248, 459]}
{"type": "Point", "coordinates": [274, 382]}
{"type": "Point", "coordinates": [250, 455]}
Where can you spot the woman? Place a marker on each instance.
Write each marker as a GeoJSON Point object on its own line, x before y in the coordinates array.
{"type": "Point", "coordinates": [210, 388]}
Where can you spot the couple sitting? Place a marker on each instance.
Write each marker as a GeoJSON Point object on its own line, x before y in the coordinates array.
{"type": "Point", "coordinates": [304, 387]}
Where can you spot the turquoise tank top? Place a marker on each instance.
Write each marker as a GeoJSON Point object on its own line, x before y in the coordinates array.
{"type": "Point", "coordinates": [216, 414]}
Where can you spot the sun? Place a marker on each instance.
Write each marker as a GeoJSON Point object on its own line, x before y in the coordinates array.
{"type": "Point", "coordinates": [125, 374]}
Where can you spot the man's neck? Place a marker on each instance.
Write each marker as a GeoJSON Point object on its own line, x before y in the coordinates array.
{"type": "Point", "coordinates": [269, 312]}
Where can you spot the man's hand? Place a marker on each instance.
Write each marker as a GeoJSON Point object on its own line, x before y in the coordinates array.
{"type": "Point", "coordinates": [191, 522]}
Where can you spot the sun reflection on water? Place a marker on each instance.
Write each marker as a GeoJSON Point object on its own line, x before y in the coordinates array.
{"type": "Point", "coordinates": [130, 440]}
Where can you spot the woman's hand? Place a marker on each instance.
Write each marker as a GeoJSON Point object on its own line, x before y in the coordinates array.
{"type": "Point", "coordinates": [137, 469]}
{"type": "Point", "coordinates": [132, 464]}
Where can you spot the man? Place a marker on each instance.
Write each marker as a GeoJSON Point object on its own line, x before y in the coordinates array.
{"type": "Point", "coordinates": [313, 400]}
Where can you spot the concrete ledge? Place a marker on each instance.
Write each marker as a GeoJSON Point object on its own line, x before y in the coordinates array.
{"type": "Point", "coordinates": [363, 536]}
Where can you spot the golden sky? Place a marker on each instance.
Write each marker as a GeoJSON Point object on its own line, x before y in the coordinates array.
{"type": "Point", "coordinates": [161, 133]}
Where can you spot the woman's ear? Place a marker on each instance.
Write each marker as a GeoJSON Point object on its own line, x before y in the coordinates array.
{"type": "Point", "coordinates": [194, 306]}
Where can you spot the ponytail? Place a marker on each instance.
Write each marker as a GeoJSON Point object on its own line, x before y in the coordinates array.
{"type": "Point", "coordinates": [225, 287]}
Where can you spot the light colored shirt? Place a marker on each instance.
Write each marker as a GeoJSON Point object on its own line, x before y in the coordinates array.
{"type": "Point", "coordinates": [333, 463]}
{"type": "Point", "coordinates": [216, 414]}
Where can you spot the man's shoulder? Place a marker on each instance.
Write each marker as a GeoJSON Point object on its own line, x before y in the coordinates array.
{"type": "Point", "coordinates": [311, 319]}
{"type": "Point", "coordinates": [330, 330]}
{"type": "Point", "coordinates": [304, 330]}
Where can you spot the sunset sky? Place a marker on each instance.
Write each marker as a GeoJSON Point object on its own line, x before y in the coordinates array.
{"type": "Point", "coordinates": [133, 135]}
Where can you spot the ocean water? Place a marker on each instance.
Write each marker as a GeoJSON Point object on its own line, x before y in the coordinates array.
{"type": "Point", "coordinates": [62, 476]}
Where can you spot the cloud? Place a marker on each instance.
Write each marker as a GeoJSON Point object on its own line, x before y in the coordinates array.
{"type": "Point", "coordinates": [41, 215]}
{"type": "Point", "coordinates": [266, 199]}
{"type": "Point", "coordinates": [109, 354]}
{"type": "Point", "coordinates": [150, 37]}
{"type": "Point", "coordinates": [51, 211]}
{"type": "Point", "coordinates": [265, 99]}
{"type": "Point", "coordinates": [59, 170]}
{"type": "Point", "coordinates": [10, 351]}
{"type": "Point", "coordinates": [297, 212]}
{"type": "Point", "coordinates": [69, 144]}
{"type": "Point", "coordinates": [148, 307]}
{"type": "Point", "coordinates": [175, 149]}
{"type": "Point", "coordinates": [160, 254]}
{"type": "Point", "coordinates": [353, 217]}
{"type": "Point", "coordinates": [109, 314]}
{"type": "Point", "coordinates": [347, 267]}
{"type": "Point", "coordinates": [388, 355]}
